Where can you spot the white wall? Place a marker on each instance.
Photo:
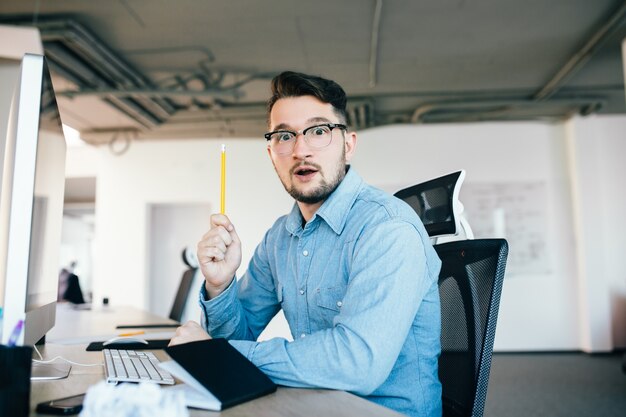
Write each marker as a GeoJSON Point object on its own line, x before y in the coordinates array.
{"type": "Point", "coordinates": [538, 312]}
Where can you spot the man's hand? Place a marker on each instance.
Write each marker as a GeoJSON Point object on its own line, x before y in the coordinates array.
{"type": "Point", "coordinates": [219, 255]}
{"type": "Point", "coordinates": [189, 332]}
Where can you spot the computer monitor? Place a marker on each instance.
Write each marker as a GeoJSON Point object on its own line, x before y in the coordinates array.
{"type": "Point", "coordinates": [31, 210]}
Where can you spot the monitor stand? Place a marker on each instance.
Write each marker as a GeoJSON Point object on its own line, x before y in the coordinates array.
{"type": "Point", "coordinates": [49, 371]}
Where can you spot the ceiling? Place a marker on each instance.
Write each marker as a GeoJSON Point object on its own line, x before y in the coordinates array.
{"type": "Point", "coordinates": [149, 69]}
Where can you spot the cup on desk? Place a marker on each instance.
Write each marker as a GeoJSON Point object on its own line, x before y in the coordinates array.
{"type": "Point", "coordinates": [15, 363]}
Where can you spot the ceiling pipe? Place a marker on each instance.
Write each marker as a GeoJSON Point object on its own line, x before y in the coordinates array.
{"type": "Point", "coordinates": [147, 113]}
{"type": "Point", "coordinates": [373, 65]}
{"type": "Point", "coordinates": [582, 56]}
{"type": "Point", "coordinates": [497, 112]}
{"type": "Point", "coordinates": [126, 106]}
{"type": "Point", "coordinates": [84, 45]}
{"type": "Point", "coordinates": [362, 111]}
{"type": "Point", "coordinates": [500, 104]}
{"type": "Point", "coordinates": [102, 59]}
{"type": "Point", "coordinates": [79, 57]}
{"type": "Point", "coordinates": [173, 50]}
{"type": "Point", "coordinates": [76, 70]}
{"type": "Point", "coordinates": [149, 92]}
{"type": "Point", "coordinates": [122, 74]}
{"type": "Point", "coordinates": [624, 62]}
{"type": "Point", "coordinates": [82, 59]}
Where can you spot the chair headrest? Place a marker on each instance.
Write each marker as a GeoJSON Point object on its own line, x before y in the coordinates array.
{"type": "Point", "coordinates": [437, 203]}
{"type": "Point", "coordinates": [189, 257]}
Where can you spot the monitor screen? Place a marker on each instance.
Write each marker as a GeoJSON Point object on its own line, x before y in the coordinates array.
{"type": "Point", "coordinates": [33, 180]}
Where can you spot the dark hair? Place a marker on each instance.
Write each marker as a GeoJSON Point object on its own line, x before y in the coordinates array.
{"type": "Point", "coordinates": [295, 84]}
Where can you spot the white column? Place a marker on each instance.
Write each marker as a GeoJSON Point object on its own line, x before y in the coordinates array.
{"type": "Point", "coordinates": [587, 165]}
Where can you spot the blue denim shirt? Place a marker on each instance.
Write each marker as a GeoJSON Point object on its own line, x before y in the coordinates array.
{"type": "Point", "coordinates": [358, 287]}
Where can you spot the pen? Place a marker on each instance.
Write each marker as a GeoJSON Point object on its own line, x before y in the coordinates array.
{"type": "Point", "coordinates": [15, 334]}
{"type": "Point", "coordinates": [131, 333]}
{"type": "Point", "coordinates": [223, 182]}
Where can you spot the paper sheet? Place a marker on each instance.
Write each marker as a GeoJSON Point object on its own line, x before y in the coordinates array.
{"type": "Point", "coordinates": [196, 395]}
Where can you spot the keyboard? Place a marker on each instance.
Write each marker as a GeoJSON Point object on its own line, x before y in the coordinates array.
{"type": "Point", "coordinates": [134, 366]}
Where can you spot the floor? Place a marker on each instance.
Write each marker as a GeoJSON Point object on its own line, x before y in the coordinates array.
{"type": "Point", "coordinates": [568, 384]}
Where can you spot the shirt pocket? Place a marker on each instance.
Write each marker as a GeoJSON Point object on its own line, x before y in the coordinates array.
{"type": "Point", "coordinates": [330, 298]}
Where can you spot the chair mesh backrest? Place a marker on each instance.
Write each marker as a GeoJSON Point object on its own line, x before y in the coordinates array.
{"type": "Point", "coordinates": [434, 203]}
{"type": "Point", "coordinates": [178, 307]}
{"type": "Point", "coordinates": [470, 284]}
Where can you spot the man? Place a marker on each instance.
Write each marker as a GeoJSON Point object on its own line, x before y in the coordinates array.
{"type": "Point", "coordinates": [69, 286]}
{"type": "Point", "coordinates": [351, 267]}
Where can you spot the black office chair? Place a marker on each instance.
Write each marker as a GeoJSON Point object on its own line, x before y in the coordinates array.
{"type": "Point", "coordinates": [470, 284]}
{"type": "Point", "coordinates": [184, 288]}
{"type": "Point", "coordinates": [437, 204]}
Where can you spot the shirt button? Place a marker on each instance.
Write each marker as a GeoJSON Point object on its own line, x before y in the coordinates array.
{"type": "Point", "coordinates": [302, 336]}
{"type": "Point", "coordinates": [301, 292]}
{"type": "Point", "coordinates": [305, 253]}
{"type": "Point", "coordinates": [339, 303]}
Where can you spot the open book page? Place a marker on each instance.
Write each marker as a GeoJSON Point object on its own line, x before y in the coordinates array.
{"type": "Point", "coordinates": [196, 395]}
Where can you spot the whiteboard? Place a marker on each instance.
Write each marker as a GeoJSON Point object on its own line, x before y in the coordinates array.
{"type": "Point", "coordinates": [515, 211]}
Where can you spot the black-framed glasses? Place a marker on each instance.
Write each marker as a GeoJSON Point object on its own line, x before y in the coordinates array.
{"type": "Point", "coordinates": [319, 136]}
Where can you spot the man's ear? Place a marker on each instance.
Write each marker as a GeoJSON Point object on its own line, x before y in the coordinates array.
{"type": "Point", "coordinates": [350, 145]}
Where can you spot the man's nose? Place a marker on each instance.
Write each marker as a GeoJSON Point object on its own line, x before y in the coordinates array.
{"type": "Point", "coordinates": [301, 148]}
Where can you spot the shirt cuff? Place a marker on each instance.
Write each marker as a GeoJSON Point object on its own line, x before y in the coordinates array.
{"type": "Point", "coordinates": [216, 311]}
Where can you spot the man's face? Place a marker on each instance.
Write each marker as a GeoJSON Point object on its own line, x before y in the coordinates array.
{"type": "Point", "coordinates": [310, 174]}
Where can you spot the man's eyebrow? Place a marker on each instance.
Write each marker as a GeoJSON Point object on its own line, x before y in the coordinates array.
{"type": "Point", "coordinates": [282, 126]}
{"type": "Point", "coordinates": [285, 126]}
{"type": "Point", "coordinates": [318, 120]}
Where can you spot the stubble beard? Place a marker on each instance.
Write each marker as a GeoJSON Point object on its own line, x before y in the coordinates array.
{"type": "Point", "coordinates": [324, 189]}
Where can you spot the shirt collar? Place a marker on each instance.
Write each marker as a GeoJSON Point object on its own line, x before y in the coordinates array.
{"type": "Point", "coordinates": [334, 211]}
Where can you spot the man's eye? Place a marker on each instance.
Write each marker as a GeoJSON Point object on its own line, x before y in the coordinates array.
{"type": "Point", "coordinates": [319, 130]}
{"type": "Point", "coordinates": [283, 136]}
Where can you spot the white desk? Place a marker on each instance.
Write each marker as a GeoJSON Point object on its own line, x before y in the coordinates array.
{"type": "Point", "coordinates": [85, 326]}
{"type": "Point", "coordinates": [287, 402]}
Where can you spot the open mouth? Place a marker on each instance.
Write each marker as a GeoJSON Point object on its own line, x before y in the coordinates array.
{"type": "Point", "coordinates": [305, 172]}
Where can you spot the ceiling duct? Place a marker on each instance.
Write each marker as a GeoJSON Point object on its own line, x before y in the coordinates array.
{"type": "Point", "coordinates": [77, 55]}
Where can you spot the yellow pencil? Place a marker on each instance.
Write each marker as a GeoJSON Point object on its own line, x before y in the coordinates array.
{"type": "Point", "coordinates": [131, 334]}
{"type": "Point", "coordinates": [223, 183]}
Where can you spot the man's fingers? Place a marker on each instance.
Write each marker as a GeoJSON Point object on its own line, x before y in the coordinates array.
{"type": "Point", "coordinates": [221, 220]}
{"type": "Point", "coordinates": [211, 255]}
{"type": "Point", "coordinates": [212, 242]}
{"type": "Point", "coordinates": [189, 332]}
{"type": "Point", "coordinates": [217, 234]}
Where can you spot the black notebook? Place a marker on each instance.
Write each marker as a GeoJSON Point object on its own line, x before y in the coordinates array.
{"type": "Point", "coordinates": [147, 326]}
{"type": "Point", "coordinates": [217, 373]}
